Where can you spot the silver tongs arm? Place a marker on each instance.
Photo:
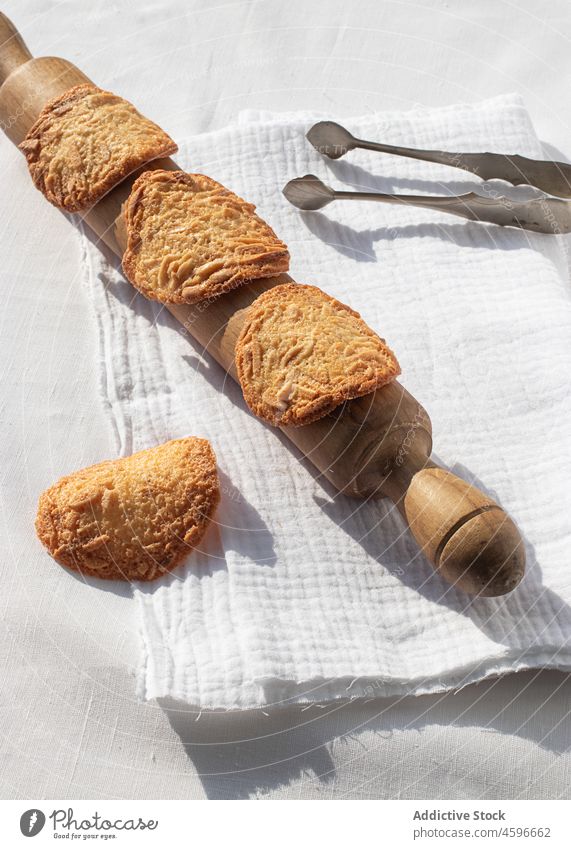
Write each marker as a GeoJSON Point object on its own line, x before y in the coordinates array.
{"type": "Point", "coordinates": [543, 215]}
{"type": "Point", "coordinates": [554, 178]}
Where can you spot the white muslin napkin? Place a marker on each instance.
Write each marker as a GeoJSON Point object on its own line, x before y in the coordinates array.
{"type": "Point", "coordinates": [298, 593]}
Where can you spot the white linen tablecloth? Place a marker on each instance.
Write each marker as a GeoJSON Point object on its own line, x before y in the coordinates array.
{"type": "Point", "coordinates": [71, 726]}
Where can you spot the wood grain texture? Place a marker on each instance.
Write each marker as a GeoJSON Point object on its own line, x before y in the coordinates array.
{"type": "Point", "coordinates": [375, 446]}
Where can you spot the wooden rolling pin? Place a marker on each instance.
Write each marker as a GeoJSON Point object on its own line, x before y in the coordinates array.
{"type": "Point", "coordinates": [375, 446]}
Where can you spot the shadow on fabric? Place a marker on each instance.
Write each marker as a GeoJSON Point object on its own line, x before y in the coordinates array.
{"type": "Point", "coordinates": [248, 754]}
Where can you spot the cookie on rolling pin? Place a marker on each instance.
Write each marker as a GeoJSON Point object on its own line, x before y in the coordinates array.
{"type": "Point", "coordinates": [134, 518]}
{"type": "Point", "coordinates": [189, 238]}
{"type": "Point", "coordinates": [85, 142]}
{"type": "Point", "coordinates": [302, 353]}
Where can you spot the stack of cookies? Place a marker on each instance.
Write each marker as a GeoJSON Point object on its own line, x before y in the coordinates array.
{"type": "Point", "coordinates": [299, 355]}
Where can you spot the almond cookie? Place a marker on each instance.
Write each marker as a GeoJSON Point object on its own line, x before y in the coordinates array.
{"type": "Point", "coordinates": [189, 238]}
{"type": "Point", "coordinates": [301, 353]}
{"type": "Point", "coordinates": [85, 142]}
{"type": "Point", "coordinates": [134, 518]}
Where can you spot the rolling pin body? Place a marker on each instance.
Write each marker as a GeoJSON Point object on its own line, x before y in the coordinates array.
{"type": "Point", "coordinates": [375, 446]}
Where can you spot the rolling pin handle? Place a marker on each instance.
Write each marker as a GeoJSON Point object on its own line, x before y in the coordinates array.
{"type": "Point", "coordinates": [13, 51]}
{"type": "Point", "coordinates": [469, 539]}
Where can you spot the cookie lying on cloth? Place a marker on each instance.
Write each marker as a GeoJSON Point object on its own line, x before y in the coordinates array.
{"type": "Point", "coordinates": [134, 518]}
{"type": "Point", "coordinates": [301, 353]}
{"type": "Point", "coordinates": [189, 238]}
{"type": "Point", "coordinates": [85, 142]}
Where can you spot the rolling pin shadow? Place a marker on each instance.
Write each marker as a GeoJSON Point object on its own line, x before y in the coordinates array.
{"type": "Point", "coordinates": [371, 447]}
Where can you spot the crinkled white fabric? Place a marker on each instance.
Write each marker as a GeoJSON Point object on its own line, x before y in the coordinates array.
{"type": "Point", "coordinates": [301, 594]}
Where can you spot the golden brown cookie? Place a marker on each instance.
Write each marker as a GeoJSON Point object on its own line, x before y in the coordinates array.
{"type": "Point", "coordinates": [189, 238]}
{"type": "Point", "coordinates": [134, 518]}
{"type": "Point", "coordinates": [85, 142]}
{"type": "Point", "coordinates": [301, 353]}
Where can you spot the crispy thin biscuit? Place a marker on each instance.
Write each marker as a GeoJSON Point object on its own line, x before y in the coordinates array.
{"type": "Point", "coordinates": [134, 518]}
{"type": "Point", "coordinates": [189, 238]}
{"type": "Point", "coordinates": [301, 353]}
{"type": "Point", "coordinates": [85, 142]}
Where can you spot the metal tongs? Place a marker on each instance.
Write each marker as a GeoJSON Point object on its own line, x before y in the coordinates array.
{"type": "Point", "coordinates": [542, 214]}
